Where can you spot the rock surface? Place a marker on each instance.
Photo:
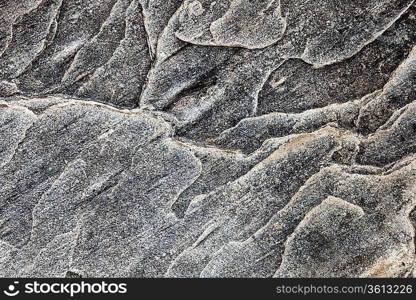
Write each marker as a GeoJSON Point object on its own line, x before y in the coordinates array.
{"type": "Point", "coordinates": [228, 138]}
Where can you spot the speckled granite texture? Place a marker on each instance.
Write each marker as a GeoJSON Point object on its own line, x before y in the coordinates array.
{"type": "Point", "coordinates": [228, 138]}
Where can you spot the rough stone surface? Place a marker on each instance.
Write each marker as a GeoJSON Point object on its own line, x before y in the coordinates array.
{"type": "Point", "coordinates": [228, 138]}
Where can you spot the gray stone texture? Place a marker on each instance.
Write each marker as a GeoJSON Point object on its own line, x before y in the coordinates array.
{"type": "Point", "coordinates": [228, 138]}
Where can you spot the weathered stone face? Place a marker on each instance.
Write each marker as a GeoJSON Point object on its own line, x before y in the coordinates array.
{"type": "Point", "coordinates": [227, 138]}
